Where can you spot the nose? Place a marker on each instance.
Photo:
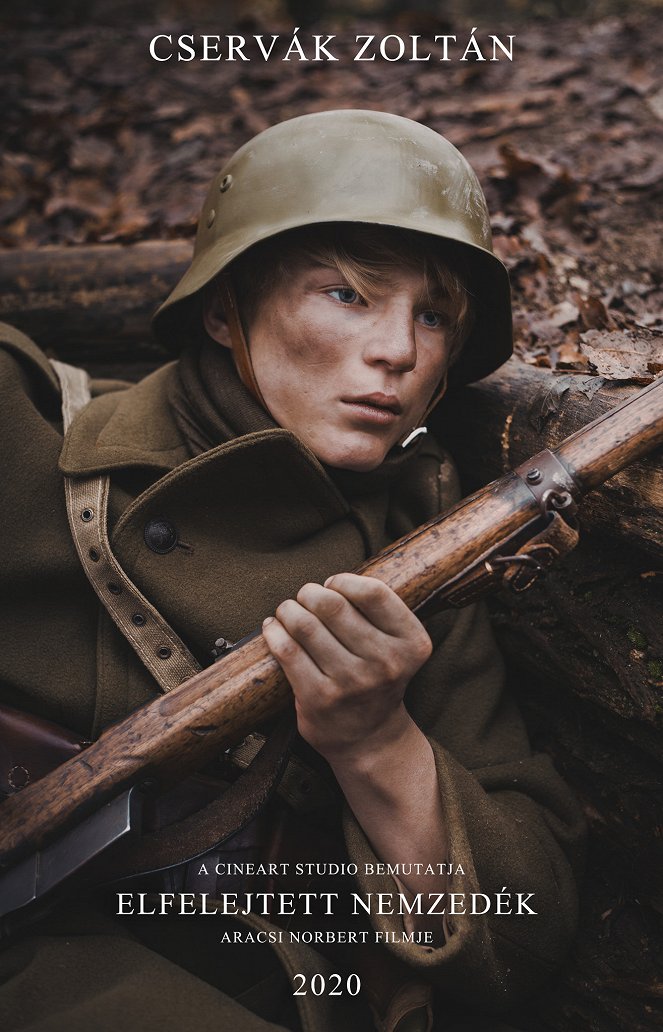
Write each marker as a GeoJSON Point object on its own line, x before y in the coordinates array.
{"type": "Point", "coordinates": [392, 340]}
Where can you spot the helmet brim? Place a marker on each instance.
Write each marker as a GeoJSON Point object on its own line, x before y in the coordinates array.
{"type": "Point", "coordinates": [489, 343]}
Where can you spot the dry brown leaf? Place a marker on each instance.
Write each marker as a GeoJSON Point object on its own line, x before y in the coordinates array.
{"type": "Point", "coordinates": [618, 356]}
{"type": "Point", "coordinates": [519, 165]}
{"type": "Point", "coordinates": [568, 355]}
{"type": "Point", "coordinates": [204, 125]}
{"type": "Point", "coordinates": [91, 154]}
{"type": "Point", "coordinates": [85, 195]}
{"type": "Point", "coordinates": [594, 315]}
{"type": "Point", "coordinates": [564, 314]}
{"type": "Point", "coordinates": [656, 103]}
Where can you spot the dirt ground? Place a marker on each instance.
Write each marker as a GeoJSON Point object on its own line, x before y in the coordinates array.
{"type": "Point", "coordinates": [101, 143]}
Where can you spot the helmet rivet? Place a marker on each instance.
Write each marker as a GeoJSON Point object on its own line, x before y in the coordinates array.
{"type": "Point", "coordinates": [210, 218]}
{"type": "Point", "coordinates": [225, 183]}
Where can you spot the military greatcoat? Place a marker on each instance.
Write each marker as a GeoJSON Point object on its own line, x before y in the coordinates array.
{"type": "Point", "coordinates": [254, 516]}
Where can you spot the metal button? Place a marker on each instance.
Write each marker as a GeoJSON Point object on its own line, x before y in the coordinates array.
{"type": "Point", "coordinates": [138, 619]}
{"type": "Point", "coordinates": [225, 183]}
{"type": "Point", "coordinates": [534, 476]}
{"type": "Point", "coordinates": [160, 535]}
{"type": "Point", "coordinates": [163, 652]}
{"type": "Point", "coordinates": [94, 555]}
{"type": "Point", "coordinates": [87, 515]}
{"type": "Point", "coordinates": [210, 218]}
{"type": "Point", "coordinates": [115, 589]}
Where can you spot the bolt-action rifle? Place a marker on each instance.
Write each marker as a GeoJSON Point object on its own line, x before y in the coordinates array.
{"type": "Point", "coordinates": [509, 531]}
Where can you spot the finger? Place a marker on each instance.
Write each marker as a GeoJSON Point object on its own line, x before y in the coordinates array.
{"type": "Point", "coordinates": [330, 656]}
{"type": "Point", "coordinates": [379, 604]}
{"type": "Point", "coordinates": [297, 665]}
{"type": "Point", "coordinates": [345, 622]}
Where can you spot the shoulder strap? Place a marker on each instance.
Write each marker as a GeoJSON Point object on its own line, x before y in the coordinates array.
{"type": "Point", "coordinates": [164, 654]}
{"type": "Point", "coordinates": [75, 387]}
{"type": "Point", "coordinates": [161, 650]}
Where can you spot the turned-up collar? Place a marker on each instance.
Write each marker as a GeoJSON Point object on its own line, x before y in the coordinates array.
{"type": "Point", "coordinates": [135, 428]}
{"type": "Point", "coordinates": [186, 408]}
{"type": "Point", "coordinates": [125, 429]}
{"type": "Point", "coordinates": [211, 405]}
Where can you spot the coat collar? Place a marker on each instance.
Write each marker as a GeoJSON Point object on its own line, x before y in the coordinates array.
{"type": "Point", "coordinates": [126, 429]}
{"type": "Point", "coordinates": [135, 428]}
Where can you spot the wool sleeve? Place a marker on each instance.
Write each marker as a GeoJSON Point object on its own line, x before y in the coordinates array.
{"type": "Point", "coordinates": [512, 824]}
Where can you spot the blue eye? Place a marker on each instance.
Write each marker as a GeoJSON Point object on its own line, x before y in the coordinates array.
{"type": "Point", "coordinates": [432, 320]}
{"type": "Point", "coordinates": [346, 295]}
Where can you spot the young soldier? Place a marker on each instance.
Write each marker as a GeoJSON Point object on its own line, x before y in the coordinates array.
{"type": "Point", "coordinates": [343, 277]}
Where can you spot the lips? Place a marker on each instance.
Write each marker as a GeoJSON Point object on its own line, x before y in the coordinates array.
{"type": "Point", "coordinates": [377, 400]}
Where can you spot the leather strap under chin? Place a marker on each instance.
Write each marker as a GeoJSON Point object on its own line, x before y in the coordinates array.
{"type": "Point", "coordinates": [240, 347]}
{"type": "Point", "coordinates": [439, 394]}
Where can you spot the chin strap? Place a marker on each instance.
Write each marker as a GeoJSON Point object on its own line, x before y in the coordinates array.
{"type": "Point", "coordinates": [240, 348]}
{"type": "Point", "coordinates": [423, 429]}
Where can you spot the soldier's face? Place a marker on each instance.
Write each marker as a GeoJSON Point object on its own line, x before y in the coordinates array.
{"type": "Point", "coordinates": [349, 376]}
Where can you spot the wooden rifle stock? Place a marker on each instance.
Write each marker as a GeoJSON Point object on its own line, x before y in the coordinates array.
{"type": "Point", "coordinates": [177, 733]}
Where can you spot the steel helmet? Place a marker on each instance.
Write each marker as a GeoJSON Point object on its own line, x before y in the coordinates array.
{"type": "Point", "coordinates": [351, 166]}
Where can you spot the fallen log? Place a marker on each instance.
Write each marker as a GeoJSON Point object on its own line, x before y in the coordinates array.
{"type": "Point", "coordinates": [584, 649]}
{"type": "Point", "coordinates": [498, 423]}
{"type": "Point", "coordinates": [91, 304]}
{"type": "Point", "coordinates": [590, 633]}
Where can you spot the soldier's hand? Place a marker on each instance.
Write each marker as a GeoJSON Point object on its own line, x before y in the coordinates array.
{"type": "Point", "coordinates": [349, 649]}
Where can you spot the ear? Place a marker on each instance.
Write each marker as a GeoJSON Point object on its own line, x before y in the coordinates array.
{"type": "Point", "coordinates": [214, 318]}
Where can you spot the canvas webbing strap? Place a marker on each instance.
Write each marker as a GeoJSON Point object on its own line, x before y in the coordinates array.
{"type": "Point", "coordinates": [75, 387]}
{"type": "Point", "coordinates": [161, 650]}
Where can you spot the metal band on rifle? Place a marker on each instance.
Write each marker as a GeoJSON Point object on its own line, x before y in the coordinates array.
{"type": "Point", "coordinates": [520, 559]}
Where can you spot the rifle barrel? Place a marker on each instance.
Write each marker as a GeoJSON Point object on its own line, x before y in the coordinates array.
{"type": "Point", "coordinates": [624, 434]}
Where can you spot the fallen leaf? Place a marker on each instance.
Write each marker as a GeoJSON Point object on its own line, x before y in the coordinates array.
{"type": "Point", "coordinates": [91, 154]}
{"type": "Point", "coordinates": [567, 355]}
{"type": "Point", "coordinates": [519, 165]}
{"type": "Point", "coordinates": [594, 315]}
{"type": "Point", "coordinates": [655, 102]}
{"type": "Point", "coordinates": [84, 196]}
{"type": "Point", "coordinates": [563, 314]}
{"type": "Point", "coordinates": [619, 356]}
{"type": "Point", "coordinates": [548, 400]}
{"type": "Point", "coordinates": [589, 385]}
{"type": "Point", "coordinates": [204, 126]}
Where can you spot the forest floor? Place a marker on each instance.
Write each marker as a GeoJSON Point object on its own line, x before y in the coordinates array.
{"type": "Point", "coordinates": [103, 144]}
